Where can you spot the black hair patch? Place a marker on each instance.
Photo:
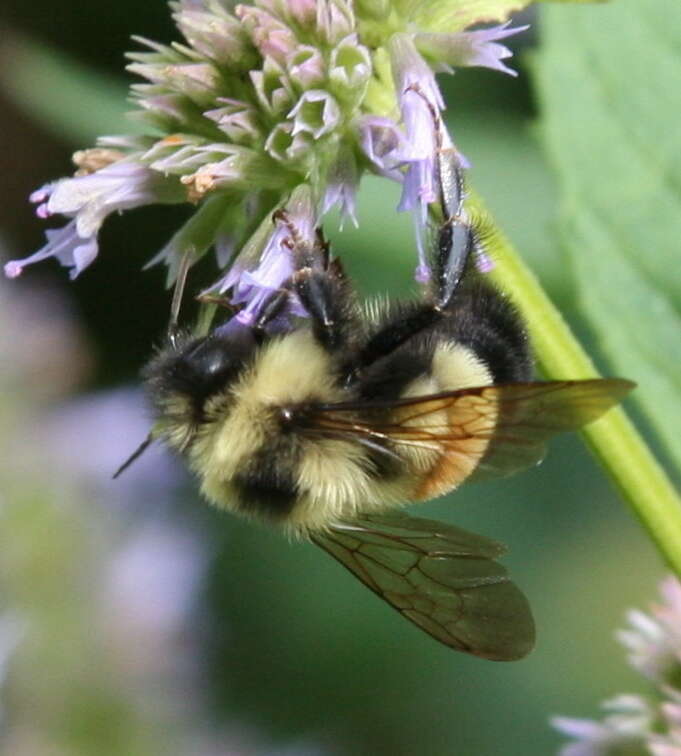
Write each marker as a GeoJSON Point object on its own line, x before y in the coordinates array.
{"type": "Point", "coordinates": [267, 487]}
{"type": "Point", "coordinates": [198, 369]}
{"type": "Point", "coordinates": [483, 319]}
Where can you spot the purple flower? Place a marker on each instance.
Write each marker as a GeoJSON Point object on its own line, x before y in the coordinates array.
{"type": "Point", "coordinates": [213, 32]}
{"type": "Point", "coordinates": [40, 196]}
{"type": "Point", "coordinates": [639, 726]}
{"type": "Point", "coordinates": [669, 743]}
{"type": "Point", "coordinates": [263, 97]}
{"type": "Point", "coordinates": [316, 113]}
{"type": "Point", "coordinates": [420, 103]}
{"type": "Point", "coordinates": [419, 98]}
{"type": "Point", "coordinates": [471, 48]}
{"type": "Point", "coordinates": [415, 86]}
{"type": "Point", "coordinates": [303, 11]}
{"type": "Point", "coordinates": [382, 142]}
{"type": "Point", "coordinates": [237, 119]}
{"type": "Point", "coordinates": [72, 250]}
{"type": "Point", "coordinates": [88, 200]}
{"type": "Point", "coordinates": [254, 288]}
{"type": "Point", "coordinates": [623, 731]}
{"type": "Point", "coordinates": [282, 145]}
{"type": "Point", "coordinates": [342, 186]}
{"type": "Point", "coordinates": [119, 186]}
{"type": "Point", "coordinates": [150, 589]}
{"type": "Point", "coordinates": [270, 35]}
{"type": "Point", "coordinates": [256, 275]}
{"type": "Point", "coordinates": [335, 20]}
{"type": "Point", "coordinates": [654, 642]}
{"type": "Point", "coordinates": [72, 435]}
{"type": "Point", "coordinates": [306, 67]}
{"type": "Point", "coordinates": [350, 69]}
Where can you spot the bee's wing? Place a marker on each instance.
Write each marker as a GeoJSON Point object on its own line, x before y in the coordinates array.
{"type": "Point", "coordinates": [515, 419]}
{"type": "Point", "coordinates": [529, 414]}
{"type": "Point", "coordinates": [441, 578]}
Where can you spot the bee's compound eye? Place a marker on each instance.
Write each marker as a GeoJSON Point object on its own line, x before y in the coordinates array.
{"type": "Point", "coordinates": [216, 361]}
{"type": "Point", "coordinates": [210, 357]}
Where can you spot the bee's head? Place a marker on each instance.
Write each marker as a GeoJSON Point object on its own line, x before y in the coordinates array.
{"type": "Point", "coordinates": [185, 374]}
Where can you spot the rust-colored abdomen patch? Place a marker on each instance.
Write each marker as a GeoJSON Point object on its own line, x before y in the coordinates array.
{"type": "Point", "coordinates": [469, 429]}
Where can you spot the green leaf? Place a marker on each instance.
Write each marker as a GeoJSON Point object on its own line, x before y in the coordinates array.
{"type": "Point", "coordinates": [609, 83]}
{"type": "Point", "coordinates": [448, 16]}
{"type": "Point", "coordinates": [68, 98]}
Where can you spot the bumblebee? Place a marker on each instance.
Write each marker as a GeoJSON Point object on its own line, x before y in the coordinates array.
{"type": "Point", "coordinates": [328, 425]}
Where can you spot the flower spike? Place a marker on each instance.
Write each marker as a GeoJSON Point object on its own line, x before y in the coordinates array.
{"type": "Point", "coordinates": [258, 99]}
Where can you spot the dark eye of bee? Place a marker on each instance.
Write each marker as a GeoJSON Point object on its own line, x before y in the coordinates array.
{"type": "Point", "coordinates": [212, 359]}
{"type": "Point", "coordinates": [201, 367]}
{"type": "Point", "coordinates": [217, 360]}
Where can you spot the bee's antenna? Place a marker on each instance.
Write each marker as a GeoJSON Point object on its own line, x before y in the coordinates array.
{"type": "Point", "coordinates": [183, 270]}
{"type": "Point", "coordinates": [137, 453]}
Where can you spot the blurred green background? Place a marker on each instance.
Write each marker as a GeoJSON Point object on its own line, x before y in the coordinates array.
{"type": "Point", "coordinates": [135, 620]}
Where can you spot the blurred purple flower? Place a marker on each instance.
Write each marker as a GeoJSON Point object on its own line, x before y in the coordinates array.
{"type": "Point", "coordinates": [669, 742]}
{"type": "Point", "coordinates": [654, 642]}
{"type": "Point", "coordinates": [148, 593]}
{"type": "Point", "coordinates": [624, 731]}
{"type": "Point", "coordinates": [52, 357]}
{"type": "Point", "coordinates": [72, 435]}
{"type": "Point", "coordinates": [639, 726]}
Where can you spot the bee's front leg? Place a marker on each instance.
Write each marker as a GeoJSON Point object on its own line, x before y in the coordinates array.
{"type": "Point", "coordinates": [325, 297]}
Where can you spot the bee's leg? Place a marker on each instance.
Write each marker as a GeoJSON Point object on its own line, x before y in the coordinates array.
{"type": "Point", "coordinates": [324, 249]}
{"type": "Point", "coordinates": [455, 235]}
{"type": "Point", "coordinates": [455, 241]}
{"type": "Point", "coordinates": [455, 244]}
{"type": "Point", "coordinates": [325, 295]}
{"type": "Point", "coordinates": [458, 305]}
{"type": "Point", "coordinates": [321, 286]}
{"type": "Point", "coordinates": [457, 238]}
{"type": "Point", "coordinates": [395, 332]}
{"type": "Point", "coordinates": [272, 308]}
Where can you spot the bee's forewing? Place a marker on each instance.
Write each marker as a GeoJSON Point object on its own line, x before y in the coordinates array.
{"type": "Point", "coordinates": [515, 419]}
{"type": "Point", "coordinates": [439, 577]}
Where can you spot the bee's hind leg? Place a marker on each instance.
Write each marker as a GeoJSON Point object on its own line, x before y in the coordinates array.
{"type": "Point", "coordinates": [455, 241]}
{"type": "Point", "coordinates": [456, 236]}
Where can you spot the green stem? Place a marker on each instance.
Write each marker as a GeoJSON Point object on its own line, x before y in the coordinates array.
{"type": "Point", "coordinates": [613, 438]}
